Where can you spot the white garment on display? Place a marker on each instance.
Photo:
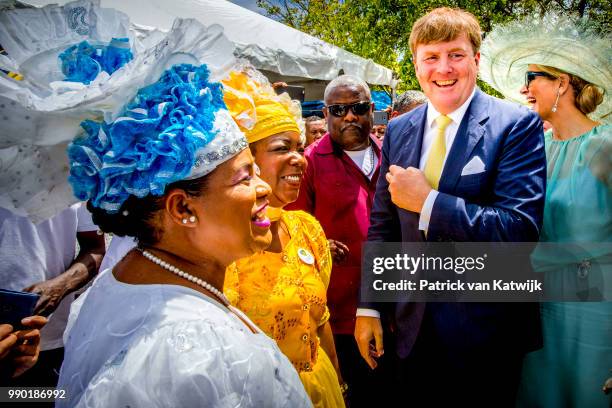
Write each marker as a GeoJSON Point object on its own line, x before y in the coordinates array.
{"type": "Point", "coordinates": [35, 253]}
{"type": "Point", "coordinates": [170, 346]}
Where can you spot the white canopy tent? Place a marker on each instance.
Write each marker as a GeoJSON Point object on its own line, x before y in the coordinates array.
{"type": "Point", "coordinates": [282, 52]}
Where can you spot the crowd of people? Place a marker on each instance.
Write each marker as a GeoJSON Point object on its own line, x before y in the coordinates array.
{"type": "Point", "coordinates": [233, 275]}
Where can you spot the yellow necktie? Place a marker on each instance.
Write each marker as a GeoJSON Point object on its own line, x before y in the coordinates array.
{"type": "Point", "coordinates": [435, 161]}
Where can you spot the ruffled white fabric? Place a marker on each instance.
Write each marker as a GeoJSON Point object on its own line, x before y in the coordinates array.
{"type": "Point", "coordinates": [41, 113]}
{"type": "Point", "coordinates": [169, 346]}
{"type": "Point", "coordinates": [34, 37]}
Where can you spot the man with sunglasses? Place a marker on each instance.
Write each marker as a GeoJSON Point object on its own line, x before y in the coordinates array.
{"type": "Point", "coordinates": [464, 167]}
{"type": "Point", "coordinates": [338, 189]}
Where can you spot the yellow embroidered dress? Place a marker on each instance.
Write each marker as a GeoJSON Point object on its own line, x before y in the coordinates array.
{"type": "Point", "coordinates": [285, 295]}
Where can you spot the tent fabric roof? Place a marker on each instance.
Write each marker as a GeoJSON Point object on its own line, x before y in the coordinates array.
{"type": "Point", "coordinates": [266, 43]}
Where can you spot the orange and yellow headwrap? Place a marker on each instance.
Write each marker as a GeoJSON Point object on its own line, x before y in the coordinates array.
{"type": "Point", "coordinates": [257, 109]}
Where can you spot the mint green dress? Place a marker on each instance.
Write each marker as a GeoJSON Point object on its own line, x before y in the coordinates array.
{"type": "Point", "coordinates": [571, 368]}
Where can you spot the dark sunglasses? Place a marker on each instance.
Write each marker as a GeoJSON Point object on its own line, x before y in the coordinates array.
{"type": "Point", "coordinates": [358, 108]}
{"type": "Point", "coordinates": [531, 75]}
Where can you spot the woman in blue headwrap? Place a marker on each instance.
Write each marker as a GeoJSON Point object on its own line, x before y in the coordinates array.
{"type": "Point", "coordinates": [174, 172]}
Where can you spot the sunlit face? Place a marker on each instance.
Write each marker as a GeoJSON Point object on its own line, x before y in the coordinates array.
{"type": "Point", "coordinates": [447, 72]}
{"type": "Point", "coordinates": [281, 160]}
{"type": "Point", "coordinates": [350, 132]}
{"type": "Point", "coordinates": [234, 206]}
{"type": "Point", "coordinates": [315, 130]}
{"type": "Point", "coordinates": [541, 93]}
{"type": "Point", "coordinates": [379, 131]}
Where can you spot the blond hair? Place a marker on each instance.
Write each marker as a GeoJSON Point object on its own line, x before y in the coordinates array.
{"type": "Point", "coordinates": [445, 24]}
{"type": "Point", "coordinates": [587, 96]}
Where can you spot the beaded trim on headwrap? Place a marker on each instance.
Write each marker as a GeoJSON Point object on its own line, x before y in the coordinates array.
{"type": "Point", "coordinates": [175, 129]}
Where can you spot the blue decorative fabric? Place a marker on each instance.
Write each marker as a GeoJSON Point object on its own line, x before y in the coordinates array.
{"type": "Point", "coordinates": [83, 62]}
{"type": "Point", "coordinates": [152, 144]}
{"type": "Point", "coordinates": [381, 100]}
{"type": "Point", "coordinates": [310, 108]}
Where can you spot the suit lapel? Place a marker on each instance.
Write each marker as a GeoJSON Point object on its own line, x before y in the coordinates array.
{"type": "Point", "coordinates": [413, 135]}
{"type": "Point", "coordinates": [469, 133]}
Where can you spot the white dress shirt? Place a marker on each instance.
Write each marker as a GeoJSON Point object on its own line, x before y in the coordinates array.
{"type": "Point", "coordinates": [429, 134]}
{"type": "Point", "coordinates": [431, 129]}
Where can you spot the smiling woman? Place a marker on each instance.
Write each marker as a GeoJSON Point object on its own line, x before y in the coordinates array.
{"type": "Point", "coordinates": [173, 171]}
{"type": "Point", "coordinates": [281, 162]}
{"type": "Point", "coordinates": [284, 288]}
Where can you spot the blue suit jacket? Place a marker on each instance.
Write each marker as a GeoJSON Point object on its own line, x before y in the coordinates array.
{"type": "Point", "coordinates": [503, 203]}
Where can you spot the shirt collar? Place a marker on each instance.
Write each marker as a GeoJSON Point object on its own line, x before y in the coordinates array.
{"type": "Point", "coordinates": [326, 146]}
{"type": "Point", "coordinates": [457, 115]}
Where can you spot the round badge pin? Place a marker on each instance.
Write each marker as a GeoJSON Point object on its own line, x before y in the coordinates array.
{"type": "Point", "coordinates": [306, 256]}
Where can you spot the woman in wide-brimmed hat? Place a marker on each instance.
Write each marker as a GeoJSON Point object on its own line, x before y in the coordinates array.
{"type": "Point", "coordinates": [564, 70]}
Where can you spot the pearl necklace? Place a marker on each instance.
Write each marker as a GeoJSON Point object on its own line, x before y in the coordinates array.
{"type": "Point", "coordinates": [200, 282]}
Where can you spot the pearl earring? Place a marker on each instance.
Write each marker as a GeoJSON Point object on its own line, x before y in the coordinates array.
{"type": "Point", "coordinates": [184, 220]}
{"type": "Point", "coordinates": [192, 218]}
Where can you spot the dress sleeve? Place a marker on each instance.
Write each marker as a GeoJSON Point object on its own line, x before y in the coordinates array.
{"type": "Point", "coordinates": [598, 152]}
{"type": "Point", "coordinates": [84, 221]}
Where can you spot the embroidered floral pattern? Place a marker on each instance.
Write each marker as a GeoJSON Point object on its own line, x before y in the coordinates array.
{"type": "Point", "coordinates": [284, 295]}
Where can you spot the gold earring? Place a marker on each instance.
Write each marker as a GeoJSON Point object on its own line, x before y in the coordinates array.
{"type": "Point", "coordinates": [554, 108]}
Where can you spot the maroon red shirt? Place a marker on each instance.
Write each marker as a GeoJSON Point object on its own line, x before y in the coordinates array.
{"type": "Point", "coordinates": [340, 197]}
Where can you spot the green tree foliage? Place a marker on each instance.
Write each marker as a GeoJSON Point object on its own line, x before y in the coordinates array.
{"type": "Point", "coordinates": [379, 29]}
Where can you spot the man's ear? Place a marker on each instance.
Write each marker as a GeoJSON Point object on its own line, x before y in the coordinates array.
{"type": "Point", "coordinates": [325, 113]}
{"type": "Point", "coordinates": [477, 59]}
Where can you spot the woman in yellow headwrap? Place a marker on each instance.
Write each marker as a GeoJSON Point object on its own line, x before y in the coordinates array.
{"type": "Point", "coordinates": [283, 289]}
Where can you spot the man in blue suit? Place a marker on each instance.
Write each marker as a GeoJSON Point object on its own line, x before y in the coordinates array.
{"type": "Point", "coordinates": [464, 167]}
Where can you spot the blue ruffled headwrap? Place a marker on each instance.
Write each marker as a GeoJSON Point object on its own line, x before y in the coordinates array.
{"type": "Point", "coordinates": [83, 62]}
{"type": "Point", "coordinates": [154, 142]}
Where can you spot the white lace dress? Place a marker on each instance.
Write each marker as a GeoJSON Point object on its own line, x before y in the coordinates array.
{"type": "Point", "coordinates": [169, 346]}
